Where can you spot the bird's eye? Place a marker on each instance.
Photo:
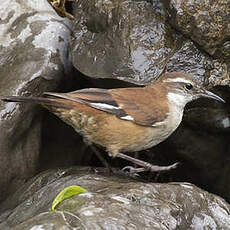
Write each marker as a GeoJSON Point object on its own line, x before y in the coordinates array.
{"type": "Point", "coordinates": [189, 86]}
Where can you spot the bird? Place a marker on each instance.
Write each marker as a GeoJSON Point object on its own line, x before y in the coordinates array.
{"type": "Point", "coordinates": [124, 120]}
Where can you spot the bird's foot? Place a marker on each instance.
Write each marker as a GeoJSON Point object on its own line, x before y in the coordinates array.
{"type": "Point", "coordinates": [149, 167]}
{"type": "Point", "coordinates": [132, 171]}
{"type": "Point", "coordinates": [145, 166]}
{"type": "Point", "coordinates": [157, 168]}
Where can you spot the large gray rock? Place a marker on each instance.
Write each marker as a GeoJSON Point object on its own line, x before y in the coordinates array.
{"type": "Point", "coordinates": [33, 58]}
{"type": "Point", "coordinates": [132, 41]}
{"type": "Point", "coordinates": [188, 58]}
{"type": "Point", "coordinates": [128, 40]}
{"type": "Point", "coordinates": [205, 22]}
{"type": "Point", "coordinates": [113, 202]}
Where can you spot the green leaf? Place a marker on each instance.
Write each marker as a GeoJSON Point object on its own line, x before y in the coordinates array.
{"type": "Point", "coordinates": [66, 193]}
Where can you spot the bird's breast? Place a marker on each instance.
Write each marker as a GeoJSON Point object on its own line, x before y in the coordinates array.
{"type": "Point", "coordinates": [162, 130]}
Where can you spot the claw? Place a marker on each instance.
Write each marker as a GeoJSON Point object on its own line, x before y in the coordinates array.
{"type": "Point", "coordinates": [152, 168]}
{"type": "Point", "coordinates": [132, 171]}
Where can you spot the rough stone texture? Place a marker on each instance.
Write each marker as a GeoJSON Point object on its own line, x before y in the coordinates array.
{"type": "Point", "coordinates": [123, 39]}
{"type": "Point", "coordinates": [188, 58]}
{"type": "Point", "coordinates": [205, 22]}
{"type": "Point", "coordinates": [132, 41]}
{"type": "Point", "coordinates": [113, 202]}
{"type": "Point", "coordinates": [33, 58]}
{"type": "Point", "coordinates": [133, 28]}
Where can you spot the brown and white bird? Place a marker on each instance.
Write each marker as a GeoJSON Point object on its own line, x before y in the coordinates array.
{"type": "Point", "coordinates": [126, 119]}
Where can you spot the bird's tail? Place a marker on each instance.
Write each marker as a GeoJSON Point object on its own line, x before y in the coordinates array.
{"type": "Point", "coordinates": [38, 100]}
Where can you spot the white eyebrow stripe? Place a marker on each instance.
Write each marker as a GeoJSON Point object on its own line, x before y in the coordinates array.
{"type": "Point", "coordinates": [178, 80]}
{"type": "Point", "coordinates": [104, 106]}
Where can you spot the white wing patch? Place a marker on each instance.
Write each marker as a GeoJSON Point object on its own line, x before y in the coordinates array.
{"type": "Point", "coordinates": [128, 117]}
{"type": "Point", "coordinates": [104, 106]}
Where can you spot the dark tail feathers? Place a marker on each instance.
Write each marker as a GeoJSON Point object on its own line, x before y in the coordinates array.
{"type": "Point", "coordinates": [37, 100]}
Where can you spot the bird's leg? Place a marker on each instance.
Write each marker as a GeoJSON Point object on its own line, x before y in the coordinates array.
{"type": "Point", "coordinates": [134, 170]}
{"type": "Point", "coordinates": [101, 158]}
{"type": "Point", "coordinates": [136, 156]}
{"type": "Point", "coordinates": [146, 166]}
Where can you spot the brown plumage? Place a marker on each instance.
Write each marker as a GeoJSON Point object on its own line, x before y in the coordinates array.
{"type": "Point", "coordinates": [127, 119]}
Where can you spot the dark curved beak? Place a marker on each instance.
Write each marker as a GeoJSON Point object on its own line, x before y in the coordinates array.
{"type": "Point", "coordinates": [213, 96]}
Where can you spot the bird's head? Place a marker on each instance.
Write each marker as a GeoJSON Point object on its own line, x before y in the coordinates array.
{"type": "Point", "coordinates": [181, 88]}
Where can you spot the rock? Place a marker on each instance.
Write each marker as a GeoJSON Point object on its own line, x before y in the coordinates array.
{"type": "Point", "coordinates": [34, 58]}
{"type": "Point", "coordinates": [209, 116]}
{"type": "Point", "coordinates": [131, 41]}
{"type": "Point", "coordinates": [204, 68]}
{"type": "Point", "coordinates": [205, 22]}
{"type": "Point", "coordinates": [208, 119]}
{"type": "Point", "coordinates": [128, 40]}
{"type": "Point", "coordinates": [113, 202]}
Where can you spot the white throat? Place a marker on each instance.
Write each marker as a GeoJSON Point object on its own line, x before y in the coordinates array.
{"type": "Point", "coordinates": [178, 99]}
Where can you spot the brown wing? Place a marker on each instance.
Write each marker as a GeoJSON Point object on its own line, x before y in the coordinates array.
{"type": "Point", "coordinates": [134, 104]}
{"type": "Point", "coordinates": [97, 98]}
{"type": "Point", "coordinates": [141, 105]}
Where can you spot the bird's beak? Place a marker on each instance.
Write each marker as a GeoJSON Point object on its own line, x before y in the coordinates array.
{"type": "Point", "coordinates": [213, 96]}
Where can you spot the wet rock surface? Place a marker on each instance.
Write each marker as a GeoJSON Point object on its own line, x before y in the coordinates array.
{"type": "Point", "coordinates": [204, 68]}
{"type": "Point", "coordinates": [127, 40]}
{"type": "Point", "coordinates": [113, 202]}
{"type": "Point", "coordinates": [34, 58]}
{"type": "Point", "coordinates": [205, 22]}
{"type": "Point", "coordinates": [132, 41]}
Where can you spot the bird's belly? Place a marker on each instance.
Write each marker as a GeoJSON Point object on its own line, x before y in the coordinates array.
{"type": "Point", "coordinates": [151, 137]}
{"type": "Point", "coordinates": [114, 134]}
{"type": "Point", "coordinates": [154, 135]}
